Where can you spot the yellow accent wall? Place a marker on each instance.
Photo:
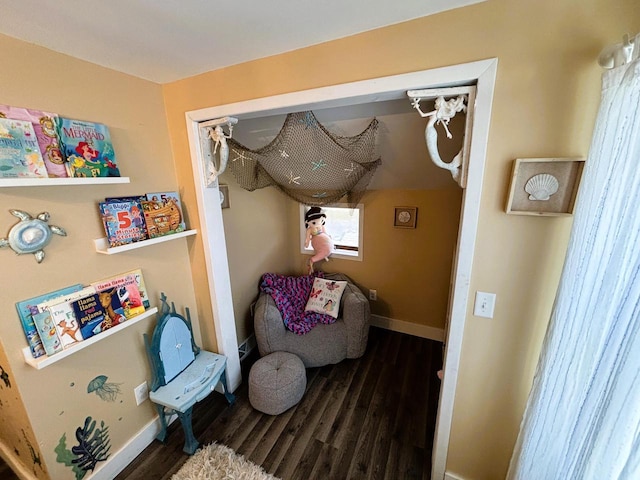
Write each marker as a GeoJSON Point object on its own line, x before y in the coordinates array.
{"type": "Point", "coordinates": [546, 98]}
{"type": "Point", "coordinates": [256, 229]}
{"type": "Point", "coordinates": [49, 403]}
{"type": "Point", "coordinates": [409, 268]}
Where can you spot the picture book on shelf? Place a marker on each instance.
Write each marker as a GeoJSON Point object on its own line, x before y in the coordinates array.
{"type": "Point", "coordinates": [90, 315]}
{"type": "Point", "coordinates": [127, 291]}
{"type": "Point", "coordinates": [130, 198]}
{"type": "Point", "coordinates": [123, 222]}
{"type": "Point", "coordinates": [170, 200]}
{"type": "Point", "coordinates": [27, 308]}
{"type": "Point", "coordinates": [64, 317]}
{"type": "Point", "coordinates": [114, 310]}
{"type": "Point", "coordinates": [87, 148]}
{"type": "Point", "coordinates": [19, 150]}
{"type": "Point", "coordinates": [162, 217]}
{"type": "Point", "coordinates": [142, 288]}
{"type": "Point", "coordinates": [45, 129]}
{"type": "Point", "coordinates": [48, 333]}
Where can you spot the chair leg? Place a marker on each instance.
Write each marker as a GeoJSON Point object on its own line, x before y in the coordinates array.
{"type": "Point", "coordinates": [231, 398]}
{"type": "Point", "coordinates": [162, 436]}
{"type": "Point", "coordinates": [190, 442]}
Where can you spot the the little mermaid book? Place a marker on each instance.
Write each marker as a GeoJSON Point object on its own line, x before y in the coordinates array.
{"type": "Point", "coordinates": [87, 148]}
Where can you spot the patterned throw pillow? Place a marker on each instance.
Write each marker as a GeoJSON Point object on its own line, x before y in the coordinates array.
{"type": "Point", "coordinates": [325, 296]}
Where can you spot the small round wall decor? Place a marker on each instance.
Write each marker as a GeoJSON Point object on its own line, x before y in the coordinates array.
{"type": "Point", "coordinates": [31, 235]}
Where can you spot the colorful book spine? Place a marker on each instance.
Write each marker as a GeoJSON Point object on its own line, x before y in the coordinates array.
{"type": "Point", "coordinates": [90, 315]}
{"type": "Point", "coordinates": [48, 332]}
{"type": "Point", "coordinates": [123, 222]}
{"type": "Point", "coordinates": [87, 148]}
{"type": "Point", "coordinates": [27, 308]}
{"type": "Point", "coordinates": [45, 129]}
{"type": "Point", "coordinates": [19, 150]}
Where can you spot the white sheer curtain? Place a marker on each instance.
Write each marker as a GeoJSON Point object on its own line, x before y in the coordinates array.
{"type": "Point", "coordinates": [582, 419]}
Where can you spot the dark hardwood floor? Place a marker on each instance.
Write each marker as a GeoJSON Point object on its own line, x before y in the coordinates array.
{"type": "Point", "coordinates": [370, 418]}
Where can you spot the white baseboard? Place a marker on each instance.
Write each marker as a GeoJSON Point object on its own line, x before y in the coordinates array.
{"type": "Point", "coordinates": [410, 328]}
{"type": "Point", "coordinates": [451, 476]}
{"type": "Point", "coordinates": [10, 458]}
{"type": "Point", "coordinates": [118, 461]}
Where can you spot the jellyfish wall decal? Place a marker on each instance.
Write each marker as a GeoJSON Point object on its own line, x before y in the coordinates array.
{"type": "Point", "coordinates": [106, 391]}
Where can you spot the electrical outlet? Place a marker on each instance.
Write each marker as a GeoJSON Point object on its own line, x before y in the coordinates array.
{"type": "Point", "coordinates": [373, 295]}
{"type": "Point", "coordinates": [141, 392]}
{"type": "Point", "coordinates": [485, 304]}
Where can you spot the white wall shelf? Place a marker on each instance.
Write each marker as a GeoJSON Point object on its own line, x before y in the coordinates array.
{"type": "Point", "coordinates": [102, 245]}
{"type": "Point", "coordinates": [49, 182]}
{"type": "Point", "coordinates": [44, 361]}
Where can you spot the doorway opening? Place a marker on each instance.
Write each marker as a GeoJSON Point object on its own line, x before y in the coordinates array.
{"type": "Point", "coordinates": [482, 74]}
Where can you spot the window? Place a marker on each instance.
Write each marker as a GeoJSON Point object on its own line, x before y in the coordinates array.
{"type": "Point", "coordinates": [344, 224]}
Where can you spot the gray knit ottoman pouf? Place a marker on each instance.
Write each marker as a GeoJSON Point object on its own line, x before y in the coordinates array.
{"type": "Point", "coordinates": [277, 382]}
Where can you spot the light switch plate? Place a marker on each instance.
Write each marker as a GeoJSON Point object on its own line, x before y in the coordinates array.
{"type": "Point", "coordinates": [485, 304]}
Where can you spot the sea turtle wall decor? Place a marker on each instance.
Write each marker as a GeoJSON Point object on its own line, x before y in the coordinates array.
{"type": "Point", "coordinates": [31, 235]}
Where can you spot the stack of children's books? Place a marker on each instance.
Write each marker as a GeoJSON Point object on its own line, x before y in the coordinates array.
{"type": "Point", "coordinates": [62, 318]}
{"type": "Point", "coordinates": [39, 144]}
{"type": "Point", "coordinates": [140, 217]}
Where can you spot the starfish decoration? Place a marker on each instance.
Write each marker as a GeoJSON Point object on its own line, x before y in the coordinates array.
{"type": "Point", "coordinates": [318, 164]}
{"type": "Point", "coordinates": [350, 170]}
{"type": "Point", "coordinates": [284, 154]}
{"type": "Point", "coordinates": [241, 156]}
{"type": "Point", "coordinates": [293, 179]}
{"type": "Point", "coordinates": [308, 120]}
{"type": "Point", "coordinates": [319, 195]}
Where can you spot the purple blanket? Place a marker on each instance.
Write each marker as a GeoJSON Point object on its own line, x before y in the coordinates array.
{"type": "Point", "coordinates": [291, 295]}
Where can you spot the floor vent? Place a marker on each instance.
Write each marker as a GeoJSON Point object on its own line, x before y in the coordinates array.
{"type": "Point", "coordinates": [247, 346]}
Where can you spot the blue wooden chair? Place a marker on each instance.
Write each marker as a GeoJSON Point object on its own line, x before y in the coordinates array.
{"type": "Point", "coordinates": [183, 374]}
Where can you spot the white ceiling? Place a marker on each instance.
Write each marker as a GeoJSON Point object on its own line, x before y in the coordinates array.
{"type": "Point", "coordinates": [166, 40]}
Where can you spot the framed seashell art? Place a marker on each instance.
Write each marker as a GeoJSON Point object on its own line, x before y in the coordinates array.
{"type": "Point", "coordinates": [544, 186]}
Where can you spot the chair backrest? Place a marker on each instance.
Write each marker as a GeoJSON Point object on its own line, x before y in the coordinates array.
{"type": "Point", "coordinates": [175, 348]}
{"type": "Point", "coordinates": [172, 347]}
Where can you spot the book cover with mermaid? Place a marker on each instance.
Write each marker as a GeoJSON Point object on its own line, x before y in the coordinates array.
{"type": "Point", "coordinates": [87, 148]}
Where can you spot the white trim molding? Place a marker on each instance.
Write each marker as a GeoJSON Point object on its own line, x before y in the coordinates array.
{"type": "Point", "coordinates": [402, 326]}
{"type": "Point", "coordinates": [451, 476]}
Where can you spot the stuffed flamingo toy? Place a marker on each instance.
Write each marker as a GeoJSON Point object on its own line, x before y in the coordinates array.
{"type": "Point", "coordinates": [317, 236]}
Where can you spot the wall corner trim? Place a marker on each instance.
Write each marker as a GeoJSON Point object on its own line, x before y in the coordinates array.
{"type": "Point", "coordinates": [7, 453]}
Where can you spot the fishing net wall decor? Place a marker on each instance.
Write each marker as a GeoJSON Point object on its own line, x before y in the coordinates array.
{"type": "Point", "coordinates": [308, 163]}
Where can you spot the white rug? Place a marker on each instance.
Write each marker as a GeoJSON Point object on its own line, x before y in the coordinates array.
{"type": "Point", "coordinates": [217, 462]}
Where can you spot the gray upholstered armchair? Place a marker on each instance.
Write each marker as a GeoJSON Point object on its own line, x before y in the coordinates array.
{"type": "Point", "coordinates": [324, 344]}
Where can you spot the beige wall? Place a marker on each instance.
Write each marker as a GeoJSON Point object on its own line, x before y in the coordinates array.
{"type": "Point", "coordinates": [545, 102]}
{"type": "Point", "coordinates": [55, 398]}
